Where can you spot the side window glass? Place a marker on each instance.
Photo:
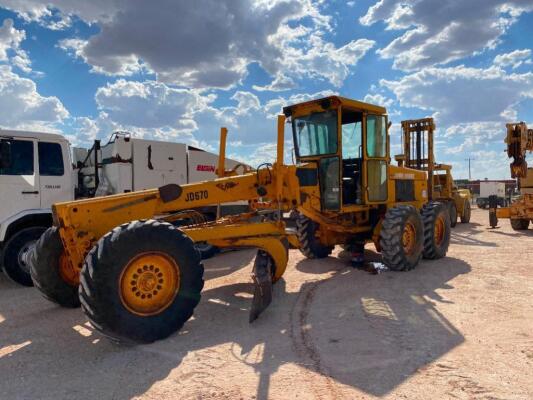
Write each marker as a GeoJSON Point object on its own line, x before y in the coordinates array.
{"type": "Point", "coordinates": [21, 161]}
{"type": "Point", "coordinates": [351, 134]}
{"type": "Point", "coordinates": [50, 159]}
{"type": "Point", "coordinates": [376, 136]}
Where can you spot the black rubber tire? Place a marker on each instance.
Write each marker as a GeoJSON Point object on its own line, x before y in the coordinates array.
{"type": "Point", "coordinates": [100, 291]}
{"type": "Point", "coordinates": [391, 236]}
{"type": "Point", "coordinates": [467, 212]}
{"type": "Point", "coordinates": [206, 250]}
{"type": "Point", "coordinates": [44, 270]}
{"type": "Point", "coordinates": [519, 224]}
{"type": "Point", "coordinates": [309, 245]}
{"type": "Point", "coordinates": [453, 213]}
{"type": "Point", "coordinates": [15, 268]}
{"type": "Point", "coordinates": [430, 212]}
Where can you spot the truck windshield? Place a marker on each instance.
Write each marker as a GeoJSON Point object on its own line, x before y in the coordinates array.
{"type": "Point", "coordinates": [316, 134]}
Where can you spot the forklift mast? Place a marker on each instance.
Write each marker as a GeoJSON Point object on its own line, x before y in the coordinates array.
{"type": "Point", "coordinates": [417, 138]}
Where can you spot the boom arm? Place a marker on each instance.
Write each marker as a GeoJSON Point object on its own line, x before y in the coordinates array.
{"type": "Point", "coordinates": [519, 140]}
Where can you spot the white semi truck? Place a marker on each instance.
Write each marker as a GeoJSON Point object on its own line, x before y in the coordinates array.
{"type": "Point", "coordinates": [40, 169]}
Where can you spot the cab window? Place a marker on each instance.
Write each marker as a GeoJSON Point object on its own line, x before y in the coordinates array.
{"type": "Point", "coordinates": [351, 134]}
{"type": "Point", "coordinates": [21, 161]}
{"type": "Point", "coordinates": [377, 180]}
{"type": "Point", "coordinates": [376, 136]}
{"type": "Point", "coordinates": [316, 134]}
{"type": "Point", "coordinates": [50, 159]}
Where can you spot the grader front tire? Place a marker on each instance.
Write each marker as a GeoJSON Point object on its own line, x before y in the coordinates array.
{"type": "Point", "coordinates": [309, 244]}
{"type": "Point", "coordinates": [141, 281]}
{"type": "Point", "coordinates": [49, 267]}
{"type": "Point", "coordinates": [401, 238]}
{"type": "Point", "coordinates": [436, 230]}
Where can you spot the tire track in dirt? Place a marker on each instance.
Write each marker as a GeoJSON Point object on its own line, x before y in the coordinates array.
{"type": "Point", "coordinates": [323, 386]}
{"type": "Point", "coordinates": [461, 384]}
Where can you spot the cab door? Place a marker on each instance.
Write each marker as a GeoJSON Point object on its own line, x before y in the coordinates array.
{"type": "Point", "coordinates": [55, 181]}
{"type": "Point", "coordinates": [376, 158]}
{"type": "Point", "coordinates": [19, 182]}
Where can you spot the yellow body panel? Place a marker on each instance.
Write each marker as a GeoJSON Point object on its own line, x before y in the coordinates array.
{"type": "Point", "coordinates": [522, 208]}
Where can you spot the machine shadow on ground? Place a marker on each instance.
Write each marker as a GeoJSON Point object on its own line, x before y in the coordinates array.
{"type": "Point", "coordinates": [370, 332]}
{"type": "Point", "coordinates": [468, 235]}
{"type": "Point", "coordinates": [497, 231]}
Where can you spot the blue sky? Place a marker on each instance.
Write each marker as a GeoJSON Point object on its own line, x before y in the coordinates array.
{"type": "Point", "coordinates": [178, 72]}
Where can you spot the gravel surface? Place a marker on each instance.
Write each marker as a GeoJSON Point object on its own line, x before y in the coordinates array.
{"type": "Point", "coordinates": [456, 328]}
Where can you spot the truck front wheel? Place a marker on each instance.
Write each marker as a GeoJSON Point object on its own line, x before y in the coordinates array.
{"type": "Point", "coordinates": [15, 257]}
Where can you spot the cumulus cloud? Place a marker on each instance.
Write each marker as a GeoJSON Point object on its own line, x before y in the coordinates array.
{"type": "Point", "coordinates": [461, 94]}
{"type": "Point", "coordinates": [438, 32]}
{"type": "Point", "coordinates": [10, 51]}
{"type": "Point", "coordinates": [154, 110]}
{"type": "Point", "coordinates": [57, 14]}
{"type": "Point", "coordinates": [470, 105]}
{"type": "Point", "coordinates": [209, 45]}
{"type": "Point", "coordinates": [22, 106]}
{"type": "Point", "coordinates": [151, 104]}
{"type": "Point", "coordinates": [513, 59]}
{"type": "Point", "coordinates": [322, 59]}
{"type": "Point", "coordinates": [379, 100]}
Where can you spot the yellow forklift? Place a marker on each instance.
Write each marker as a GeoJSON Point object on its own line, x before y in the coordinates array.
{"type": "Point", "coordinates": [417, 143]}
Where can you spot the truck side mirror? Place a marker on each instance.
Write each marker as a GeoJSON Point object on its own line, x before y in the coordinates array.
{"type": "Point", "coordinates": [5, 154]}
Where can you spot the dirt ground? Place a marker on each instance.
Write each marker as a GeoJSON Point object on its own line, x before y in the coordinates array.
{"type": "Point", "coordinates": [456, 328]}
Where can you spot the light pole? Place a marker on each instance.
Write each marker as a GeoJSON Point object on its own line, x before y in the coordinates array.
{"type": "Point", "coordinates": [469, 167]}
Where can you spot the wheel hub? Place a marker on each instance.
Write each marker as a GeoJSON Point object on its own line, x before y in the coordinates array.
{"type": "Point", "coordinates": [67, 271]}
{"type": "Point", "coordinates": [409, 238]}
{"type": "Point", "coordinates": [149, 283]}
{"type": "Point", "coordinates": [23, 255]}
{"type": "Point", "coordinates": [439, 230]}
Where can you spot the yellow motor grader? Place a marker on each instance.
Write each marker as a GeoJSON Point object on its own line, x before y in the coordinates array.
{"type": "Point", "coordinates": [519, 140]}
{"type": "Point", "coordinates": [417, 141]}
{"type": "Point", "coordinates": [129, 259]}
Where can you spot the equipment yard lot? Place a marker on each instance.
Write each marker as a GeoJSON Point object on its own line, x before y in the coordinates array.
{"type": "Point", "coordinates": [459, 327]}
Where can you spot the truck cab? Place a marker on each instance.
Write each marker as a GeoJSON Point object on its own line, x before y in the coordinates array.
{"type": "Point", "coordinates": [35, 172]}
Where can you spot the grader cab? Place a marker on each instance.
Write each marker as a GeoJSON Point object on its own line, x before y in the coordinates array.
{"type": "Point", "coordinates": [418, 153]}
{"type": "Point", "coordinates": [129, 259]}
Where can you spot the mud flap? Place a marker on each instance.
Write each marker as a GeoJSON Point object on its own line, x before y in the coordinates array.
{"type": "Point", "coordinates": [262, 278]}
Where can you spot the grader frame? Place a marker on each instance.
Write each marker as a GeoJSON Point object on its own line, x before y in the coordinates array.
{"type": "Point", "coordinates": [519, 141]}
{"type": "Point", "coordinates": [123, 250]}
{"type": "Point", "coordinates": [418, 153]}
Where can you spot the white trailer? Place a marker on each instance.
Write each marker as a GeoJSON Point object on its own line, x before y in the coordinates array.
{"type": "Point", "coordinates": [38, 170]}
{"type": "Point", "coordinates": [490, 188]}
